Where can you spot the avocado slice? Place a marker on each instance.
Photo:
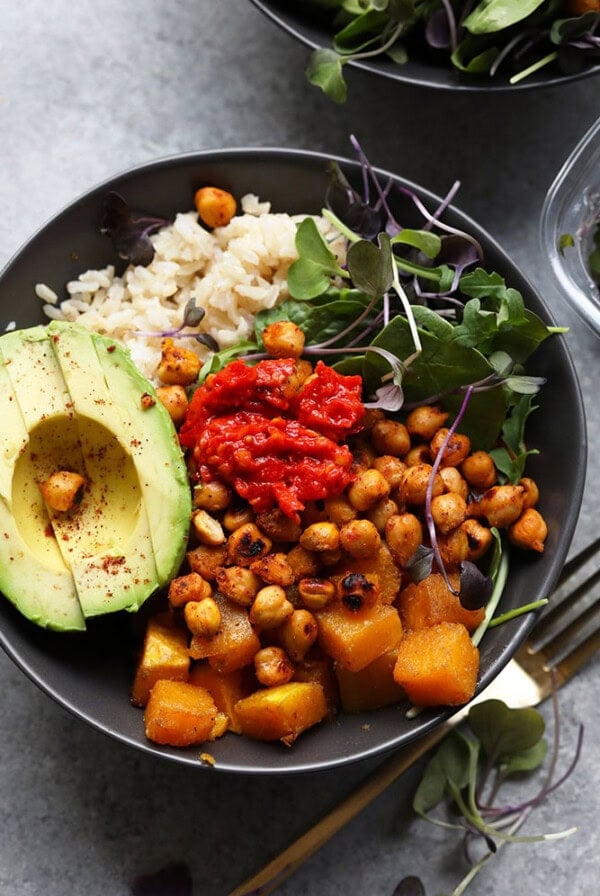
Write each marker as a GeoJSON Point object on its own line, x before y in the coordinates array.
{"type": "Point", "coordinates": [79, 398]}
{"type": "Point", "coordinates": [33, 574]}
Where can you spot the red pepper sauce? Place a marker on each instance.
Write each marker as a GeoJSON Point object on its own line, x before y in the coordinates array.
{"type": "Point", "coordinates": [274, 439]}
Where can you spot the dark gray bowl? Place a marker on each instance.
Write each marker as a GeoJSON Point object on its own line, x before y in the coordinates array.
{"type": "Point", "coordinates": [418, 71]}
{"type": "Point", "coordinates": [90, 674]}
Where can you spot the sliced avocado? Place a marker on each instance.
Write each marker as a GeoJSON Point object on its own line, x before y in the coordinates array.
{"type": "Point", "coordinates": [162, 474]}
{"type": "Point", "coordinates": [33, 574]}
{"type": "Point", "coordinates": [128, 535]}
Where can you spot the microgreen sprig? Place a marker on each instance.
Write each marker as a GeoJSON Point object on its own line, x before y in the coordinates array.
{"type": "Point", "coordinates": [478, 39]}
{"type": "Point", "coordinates": [468, 771]}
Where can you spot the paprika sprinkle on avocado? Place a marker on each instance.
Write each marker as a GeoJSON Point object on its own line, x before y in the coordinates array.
{"type": "Point", "coordinates": [274, 431]}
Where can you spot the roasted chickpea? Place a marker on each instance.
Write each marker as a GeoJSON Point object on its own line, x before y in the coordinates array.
{"type": "Point", "coordinates": [203, 618]}
{"type": "Point", "coordinates": [206, 559]}
{"type": "Point", "coordinates": [178, 366]}
{"type": "Point", "coordinates": [320, 537]}
{"type": "Point", "coordinates": [531, 493]}
{"type": "Point", "coordinates": [479, 470]}
{"type": "Point", "coordinates": [418, 454]}
{"type": "Point", "coordinates": [423, 422]}
{"type": "Point", "coordinates": [247, 544]}
{"type": "Point", "coordinates": [456, 450]}
{"type": "Point", "coordinates": [415, 483]}
{"type": "Point", "coordinates": [381, 513]}
{"type": "Point", "coordinates": [454, 481]}
{"type": "Point", "coordinates": [501, 505]}
{"type": "Point", "coordinates": [371, 417]}
{"type": "Point", "coordinates": [448, 511]}
{"type": "Point", "coordinates": [316, 593]}
{"type": "Point", "coordinates": [339, 510]}
{"type": "Point", "coordinates": [360, 539]}
{"type": "Point", "coordinates": [298, 634]}
{"type": "Point", "coordinates": [273, 666]}
{"type": "Point", "coordinates": [215, 207]}
{"type": "Point", "coordinates": [357, 591]}
{"type": "Point", "coordinates": [270, 607]}
{"type": "Point", "coordinates": [237, 516]}
{"type": "Point", "coordinates": [213, 496]}
{"type": "Point", "coordinates": [390, 437]}
{"type": "Point", "coordinates": [363, 455]}
{"type": "Point", "coordinates": [304, 563]}
{"type": "Point", "coordinates": [403, 535]}
{"type": "Point", "coordinates": [283, 339]}
{"type": "Point", "coordinates": [191, 587]}
{"type": "Point", "coordinates": [278, 526]}
{"type": "Point", "coordinates": [330, 558]}
{"type": "Point", "coordinates": [63, 490]}
{"type": "Point", "coordinates": [368, 489]}
{"type": "Point", "coordinates": [207, 529]}
{"type": "Point", "coordinates": [175, 399]}
{"type": "Point", "coordinates": [274, 569]}
{"type": "Point", "coordinates": [238, 583]}
{"type": "Point", "coordinates": [479, 538]}
{"type": "Point", "coordinates": [453, 547]}
{"type": "Point", "coordinates": [529, 531]}
{"type": "Point", "coordinates": [391, 468]}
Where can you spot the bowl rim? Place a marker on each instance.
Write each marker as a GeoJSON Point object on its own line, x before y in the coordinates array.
{"type": "Point", "coordinates": [524, 623]}
{"type": "Point", "coordinates": [567, 194]}
{"type": "Point", "coordinates": [405, 74]}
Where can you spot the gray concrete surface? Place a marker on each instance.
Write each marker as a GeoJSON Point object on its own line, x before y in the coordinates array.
{"type": "Point", "coordinates": [87, 89]}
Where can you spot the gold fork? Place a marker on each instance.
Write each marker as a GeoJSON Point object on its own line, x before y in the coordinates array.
{"type": "Point", "coordinates": [565, 637]}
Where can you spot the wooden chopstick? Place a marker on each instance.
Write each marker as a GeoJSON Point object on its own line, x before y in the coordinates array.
{"type": "Point", "coordinates": [283, 865]}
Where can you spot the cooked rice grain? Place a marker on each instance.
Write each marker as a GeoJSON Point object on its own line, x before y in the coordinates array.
{"type": "Point", "coordinates": [232, 273]}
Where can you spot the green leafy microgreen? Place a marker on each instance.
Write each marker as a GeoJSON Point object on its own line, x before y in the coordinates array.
{"type": "Point", "coordinates": [495, 15]}
{"type": "Point", "coordinates": [324, 70]}
{"type": "Point", "coordinates": [311, 274]}
{"type": "Point", "coordinates": [510, 459]}
{"type": "Point", "coordinates": [565, 241]}
{"type": "Point", "coordinates": [466, 774]}
{"type": "Point", "coordinates": [480, 39]}
{"type": "Point", "coordinates": [371, 267]}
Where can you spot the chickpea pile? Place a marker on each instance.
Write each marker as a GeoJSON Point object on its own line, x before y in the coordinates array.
{"type": "Point", "coordinates": [351, 550]}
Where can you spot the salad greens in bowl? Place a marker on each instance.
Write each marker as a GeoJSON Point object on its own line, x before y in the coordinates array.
{"type": "Point", "coordinates": [570, 228]}
{"type": "Point", "coordinates": [489, 45]}
{"type": "Point", "coordinates": [424, 307]}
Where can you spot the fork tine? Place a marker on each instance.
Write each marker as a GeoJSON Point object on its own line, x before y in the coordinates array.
{"type": "Point", "coordinates": [565, 613]}
{"type": "Point", "coordinates": [576, 562]}
{"type": "Point", "coordinates": [568, 630]}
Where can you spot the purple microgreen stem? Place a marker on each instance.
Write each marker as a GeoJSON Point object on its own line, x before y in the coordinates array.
{"type": "Point", "coordinates": [428, 495]}
{"type": "Point", "coordinates": [451, 24]}
{"type": "Point", "coordinates": [433, 218]}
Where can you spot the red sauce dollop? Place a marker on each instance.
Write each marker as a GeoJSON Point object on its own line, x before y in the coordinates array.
{"type": "Point", "coordinates": [274, 440]}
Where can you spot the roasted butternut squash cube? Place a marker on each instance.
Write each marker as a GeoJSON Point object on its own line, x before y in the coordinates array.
{"type": "Point", "coordinates": [164, 654]}
{"type": "Point", "coordinates": [225, 689]}
{"type": "Point", "coordinates": [371, 687]}
{"type": "Point", "coordinates": [179, 714]}
{"type": "Point", "coordinates": [234, 645]}
{"type": "Point", "coordinates": [356, 639]}
{"type": "Point", "coordinates": [430, 601]}
{"type": "Point", "coordinates": [438, 665]}
{"type": "Point", "coordinates": [318, 667]}
{"type": "Point", "coordinates": [282, 712]}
